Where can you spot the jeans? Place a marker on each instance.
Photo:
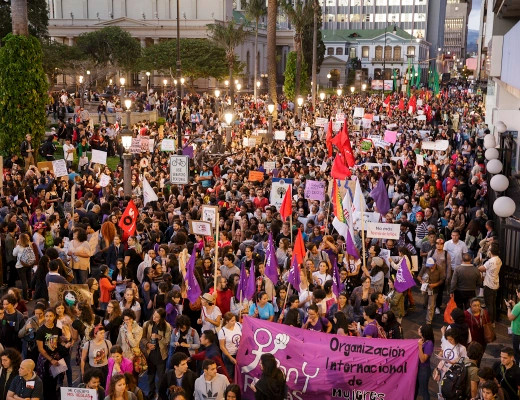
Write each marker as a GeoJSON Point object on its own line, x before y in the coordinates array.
{"type": "Point", "coordinates": [423, 378]}
{"type": "Point", "coordinates": [25, 276]}
{"type": "Point", "coordinates": [11, 270]}
{"type": "Point", "coordinates": [154, 369]}
{"type": "Point", "coordinates": [440, 293]}
{"type": "Point", "coordinates": [432, 298]}
{"type": "Point", "coordinates": [80, 276]}
{"type": "Point", "coordinates": [490, 298]}
{"type": "Point", "coordinates": [230, 367]}
{"type": "Point", "coordinates": [61, 377]}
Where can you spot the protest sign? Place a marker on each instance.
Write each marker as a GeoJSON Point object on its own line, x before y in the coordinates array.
{"type": "Point", "coordinates": [383, 231]}
{"type": "Point", "coordinates": [99, 157]}
{"type": "Point", "coordinates": [427, 145]}
{"type": "Point", "coordinates": [438, 145]}
{"type": "Point", "coordinates": [368, 116]}
{"type": "Point", "coordinates": [315, 190]}
{"type": "Point", "coordinates": [72, 393]}
{"type": "Point", "coordinates": [367, 217]}
{"type": "Point", "coordinates": [256, 176]}
{"type": "Point", "coordinates": [366, 145]}
{"type": "Point", "coordinates": [45, 166]}
{"type": "Point", "coordinates": [391, 126]}
{"type": "Point", "coordinates": [145, 146]}
{"type": "Point", "coordinates": [104, 180]}
{"type": "Point", "coordinates": [326, 366]}
{"type": "Point", "coordinates": [209, 214]}
{"type": "Point", "coordinates": [421, 118]}
{"type": "Point", "coordinates": [382, 143]}
{"type": "Point", "coordinates": [390, 136]}
{"type": "Point", "coordinates": [69, 293]}
{"type": "Point", "coordinates": [135, 148]}
{"type": "Point", "coordinates": [420, 112]}
{"type": "Point", "coordinates": [336, 126]}
{"type": "Point", "coordinates": [249, 142]}
{"type": "Point", "coordinates": [306, 135]}
{"type": "Point", "coordinates": [278, 188]}
{"type": "Point", "coordinates": [366, 123]}
{"type": "Point", "coordinates": [279, 135]}
{"type": "Point", "coordinates": [168, 145]}
{"type": "Point", "coordinates": [359, 112]}
{"type": "Point", "coordinates": [424, 134]}
{"type": "Point", "coordinates": [200, 227]}
{"type": "Point", "coordinates": [419, 102]}
{"type": "Point", "coordinates": [269, 165]}
{"type": "Point", "coordinates": [420, 160]}
{"type": "Point", "coordinates": [397, 159]}
{"type": "Point", "coordinates": [321, 122]}
{"type": "Point", "coordinates": [376, 118]}
{"type": "Point", "coordinates": [375, 138]}
{"type": "Point", "coordinates": [188, 151]}
{"type": "Point", "coordinates": [60, 168]}
{"type": "Point", "coordinates": [340, 117]}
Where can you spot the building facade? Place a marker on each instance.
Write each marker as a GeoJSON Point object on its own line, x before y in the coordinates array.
{"type": "Point", "coordinates": [420, 18]}
{"type": "Point", "coordinates": [379, 51]}
{"type": "Point", "coordinates": [456, 29]}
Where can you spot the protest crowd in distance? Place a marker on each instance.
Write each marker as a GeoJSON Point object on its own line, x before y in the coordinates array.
{"type": "Point", "coordinates": [283, 269]}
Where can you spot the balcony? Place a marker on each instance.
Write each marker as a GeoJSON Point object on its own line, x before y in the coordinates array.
{"type": "Point", "coordinates": [386, 60]}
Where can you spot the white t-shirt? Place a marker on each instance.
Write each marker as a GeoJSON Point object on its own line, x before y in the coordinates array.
{"type": "Point", "coordinates": [66, 155]}
{"type": "Point", "coordinates": [322, 278]}
{"type": "Point", "coordinates": [455, 251]}
{"type": "Point", "coordinates": [208, 326]}
{"type": "Point", "coordinates": [231, 337]}
{"type": "Point", "coordinates": [492, 270]}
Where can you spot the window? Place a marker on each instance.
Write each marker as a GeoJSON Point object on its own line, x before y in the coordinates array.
{"type": "Point", "coordinates": [410, 50]}
{"type": "Point", "coordinates": [420, 17]}
{"type": "Point", "coordinates": [388, 52]}
{"type": "Point", "coordinates": [379, 52]}
{"type": "Point", "coordinates": [406, 17]}
{"type": "Point", "coordinates": [355, 18]}
{"type": "Point", "coordinates": [365, 51]}
{"type": "Point", "coordinates": [397, 52]}
{"type": "Point", "coordinates": [394, 2]}
{"type": "Point", "coordinates": [339, 51]}
{"type": "Point", "coordinates": [377, 73]}
{"type": "Point", "coordinates": [380, 17]}
{"type": "Point", "coordinates": [352, 52]}
{"type": "Point", "coordinates": [381, 2]}
{"type": "Point", "coordinates": [330, 51]}
{"type": "Point", "coordinates": [331, 17]}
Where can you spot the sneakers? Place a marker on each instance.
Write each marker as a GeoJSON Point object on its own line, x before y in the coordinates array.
{"type": "Point", "coordinates": [437, 311]}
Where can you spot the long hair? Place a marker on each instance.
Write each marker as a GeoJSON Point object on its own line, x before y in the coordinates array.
{"type": "Point", "coordinates": [15, 357]}
{"type": "Point", "coordinates": [161, 325]}
{"type": "Point", "coordinates": [270, 369]}
{"type": "Point", "coordinates": [112, 392]}
{"type": "Point", "coordinates": [116, 310]}
{"type": "Point", "coordinates": [85, 313]}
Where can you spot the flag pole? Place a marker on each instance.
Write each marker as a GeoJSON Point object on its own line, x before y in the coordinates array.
{"type": "Point", "coordinates": [290, 222]}
{"type": "Point", "coordinates": [289, 289]}
{"type": "Point", "coordinates": [363, 235]}
{"type": "Point", "coordinates": [217, 222]}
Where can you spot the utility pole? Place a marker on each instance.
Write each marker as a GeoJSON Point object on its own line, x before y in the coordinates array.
{"type": "Point", "coordinates": [178, 88]}
{"type": "Point", "coordinates": [314, 54]}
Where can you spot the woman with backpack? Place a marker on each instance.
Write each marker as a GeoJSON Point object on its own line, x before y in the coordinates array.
{"type": "Point", "coordinates": [25, 259]}
{"type": "Point", "coordinates": [28, 333]}
{"type": "Point", "coordinates": [95, 352]}
{"type": "Point", "coordinates": [229, 339]}
{"type": "Point", "coordinates": [184, 338]}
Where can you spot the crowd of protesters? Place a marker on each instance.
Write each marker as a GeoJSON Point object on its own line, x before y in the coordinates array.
{"type": "Point", "coordinates": [138, 318]}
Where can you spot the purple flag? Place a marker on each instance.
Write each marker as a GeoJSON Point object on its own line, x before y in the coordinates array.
{"type": "Point", "coordinates": [193, 286]}
{"type": "Point", "coordinates": [242, 283]}
{"type": "Point", "coordinates": [294, 274]}
{"type": "Point", "coordinates": [249, 291]}
{"type": "Point", "coordinates": [350, 246]}
{"type": "Point", "coordinates": [336, 280]}
{"type": "Point", "coordinates": [403, 279]}
{"type": "Point", "coordinates": [380, 195]}
{"type": "Point", "coordinates": [271, 263]}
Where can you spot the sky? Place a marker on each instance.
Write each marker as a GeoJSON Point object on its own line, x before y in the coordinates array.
{"type": "Point", "coordinates": [474, 16]}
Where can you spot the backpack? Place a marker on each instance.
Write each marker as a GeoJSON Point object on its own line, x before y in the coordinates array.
{"type": "Point", "coordinates": [454, 382]}
{"type": "Point", "coordinates": [381, 334]}
{"type": "Point", "coordinates": [42, 151]}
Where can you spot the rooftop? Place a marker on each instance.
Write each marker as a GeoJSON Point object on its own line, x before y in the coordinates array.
{"type": "Point", "coordinates": [345, 35]}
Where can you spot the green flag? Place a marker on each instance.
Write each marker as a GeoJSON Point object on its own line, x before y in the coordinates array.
{"type": "Point", "coordinates": [418, 79]}
{"type": "Point", "coordinates": [395, 81]}
{"type": "Point", "coordinates": [436, 86]}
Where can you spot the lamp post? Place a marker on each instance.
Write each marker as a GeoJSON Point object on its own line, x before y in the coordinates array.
{"type": "Point", "coordinates": [239, 86]}
{"type": "Point", "coordinates": [328, 77]}
{"type": "Point", "coordinates": [264, 76]}
{"type": "Point", "coordinates": [88, 85]}
{"type": "Point", "coordinates": [352, 89]}
{"type": "Point", "coordinates": [322, 98]}
{"type": "Point", "coordinates": [270, 109]}
{"type": "Point", "coordinates": [299, 100]}
{"type": "Point", "coordinates": [217, 103]}
{"type": "Point", "coordinates": [226, 83]}
{"type": "Point", "coordinates": [228, 116]}
{"type": "Point", "coordinates": [147, 82]}
{"type": "Point", "coordinates": [339, 91]}
{"type": "Point", "coordinates": [80, 91]}
{"type": "Point", "coordinates": [258, 84]}
{"type": "Point", "coordinates": [384, 61]}
{"type": "Point", "coordinates": [182, 86]}
{"type": "Point", "coordinates": [165, 82]}
{"type": "Point", "coordinates": [122, 82]}
{"type": "Point", "coordinates": [126, 139]}
{"type": "Point", "coordinates": [128, 104]}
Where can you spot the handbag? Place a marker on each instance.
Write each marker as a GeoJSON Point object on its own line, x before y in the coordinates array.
{"type": "Point", "coordinates": [489, 333]}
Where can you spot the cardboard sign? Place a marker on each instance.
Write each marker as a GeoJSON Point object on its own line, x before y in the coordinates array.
{"type": "Point", "coordinates": [279, 135]}
{"type": "Point", "coordinates": [315, 190]}
{"type": "Point", "coordinates": [278, 188]}
{"type": "Point", "coordinates": [336, 126]}
{"type": "Point", "coordinates": [420, 159]}
{"type": "Point", "coordinates": [72, 393]}
{"type": "Point", "coordinates": [366, 145]}
{"type": "Point", "coordinates": [145, 146]}
{"type": "Point", "coordinates": [44, 166]}
{"type": "Point", "coordinates": [69, 293]}
{"type": "Point", "coordinates": [60, 168]}
{"type": "Point", "coordinates": [104, 180]}
{"type": "Point", "coordinates": [179, 170]}
{"type": "Point", "coordinates": [269, 165]}
{"type": "Point", "coordinates": [359, 112]}
{"type": "Point", "coordinates": [249, 142]}
{"type": "Point", "coordinates": [209, 214]}
{"type": "Point", "coordinates": [255, 176]}
{"type": "Point", "coordinates": [382, 143]}
{"type": "Point", "coordinates": [321, 122]}
{"type": "Point", "coordinates": [135, 148]}
{"type": "Point", "coordinates": [421, 118]}
{"type": "Point", "coordinates": [383, 231]}
{"type": "Point", "coordinates": [438, 145]}
{"type": "Point", "coordinates": [367, 217]}
{"type": "Point", "coordinates": [202, 228]}
{"type": "Point", "coordinates": [390, 136]}
{"type": "Point", "coordinates": [340, 117]}
{"type": "Point", "coordinates": [99, 157]}
{"type": "Point", "coordinates": [168, 145]}
{"type": "Point", "coordinates": [306, 135]}
{"type": "Point", "coordinates": [366, 123]}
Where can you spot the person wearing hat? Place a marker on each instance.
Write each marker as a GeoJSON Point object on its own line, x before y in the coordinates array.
{"type": "Point", "coordinates": [211, 315]}
{"type": "Point", "coordinates": [431, 277]}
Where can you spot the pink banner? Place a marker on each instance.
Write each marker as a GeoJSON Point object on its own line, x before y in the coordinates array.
{"type": "Point", "coordinates": [325, 367]}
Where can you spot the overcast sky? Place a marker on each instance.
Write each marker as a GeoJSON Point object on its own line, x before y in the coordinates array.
{"type": "Point", "coordinates": [474, 16]}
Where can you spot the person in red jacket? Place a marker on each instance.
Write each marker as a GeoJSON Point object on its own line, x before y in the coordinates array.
{"type": "Point", "coordinates": [106, 287]}
{"type": "Point", "coordinates": [224, 295]}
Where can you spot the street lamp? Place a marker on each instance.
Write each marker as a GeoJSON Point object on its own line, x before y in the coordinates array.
{"type": "Point", "coordinates": [258, 84]}
{"type": "Point", "coordinates": [226, 83]}
{"type": "Point", "coordinates": [165, 82]}
{"type": "Point", "coordinates": [299, 100]}
{"type": "Point", "coordinates": [322, 98]}
{"type": "Point", "coordinates": [128, 104]}
{"type": "Point", "coordinates": [126, 139]}
{"type": "Point", "coordinates": [352, 89]}
{"type": "Point", "coordinates": [80, 91]}
{"type": "Point", "coordinates": [228, 117]}
{"type": "Point", "coordinates": [328, 77]}
{"type": "Point", "coordinates": [270, 109]}
{"type": "Point", "coordinates": [147, 82]}
{"type": "Point", "coordinates": [364, 87]}
{"type": "Point", "coordinates": [122, 83]}
{"type": "Point", "coordinates": [182, 86]}
{"type": "Point", "coordinates": [339, 91]}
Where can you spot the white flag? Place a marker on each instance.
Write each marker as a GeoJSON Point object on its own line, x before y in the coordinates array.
{"type": "Point", "coordinates": [359, 200]}
{"type": "Point", "coordinates": [148, 192]}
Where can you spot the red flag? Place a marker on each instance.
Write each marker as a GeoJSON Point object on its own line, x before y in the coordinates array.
{"type": "Point", "coordinates": [387, 100]}
{"type": "Point", "coordinates": [401, 104]}
{"type": "Point", "coordinates": [347, 147]}
{"type": "Point", "coordinates": [128, 220]}
{"type": "Point", "coordinates": [329, 139]}
{"type": "Point", "coordinates": [299, 247]}
{"type": "Point", "coordinates": [286, 208]}
{"type": "Point", "coordinates": [412, 104]}
{"type": "Point", "coordinates": [339, 169]}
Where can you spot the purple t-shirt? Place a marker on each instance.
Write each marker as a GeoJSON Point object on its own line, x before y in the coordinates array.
{"type": "Point", "coordinates": [371, 330]}
{"type": "Point", "coordinates": [427, 348]}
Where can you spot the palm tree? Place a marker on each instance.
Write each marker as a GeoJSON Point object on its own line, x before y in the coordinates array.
{"type": "Point", "coordinates": [19, 17]}
{"type": "Point", "coordinates": [298, 15]}
{"type": "Point", "coordinates": [228, 36]}
{"type": "Point", "coordinates": [255, 10]}
{"type": "Point", "coordinates": [272, 10]}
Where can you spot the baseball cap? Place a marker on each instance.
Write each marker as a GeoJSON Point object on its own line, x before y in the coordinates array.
{"type": "Point", "coordinates": [430, 262]}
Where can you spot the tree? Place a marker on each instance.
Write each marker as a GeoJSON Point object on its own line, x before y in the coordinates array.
{"type": "Point", "coordinates": [23, 87]}
{"type": "Point", "coordinates": [289, 85]}
{"type": "Point", "coordinates": [228, 36]}
{"type": "Point", "coordinates": [58, 58]}
{"type": "Point", "coordinates": [110, 46]}
{"type": "Point", "coordinates": [255, 10]}
{"type": "Point", "coordinates": [37, 14]}
{"type": "Point", "coordinates": [300, 15]}
{"type": "Point", "coordinates": [307, 44]}
{"type": "Point", "coordinates": [200, 59]}
{"type": "Point", "coordinates": [272, 10]}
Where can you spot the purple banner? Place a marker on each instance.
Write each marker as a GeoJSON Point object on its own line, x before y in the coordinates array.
{"type": "Point", "coordinates": [325, 366]}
